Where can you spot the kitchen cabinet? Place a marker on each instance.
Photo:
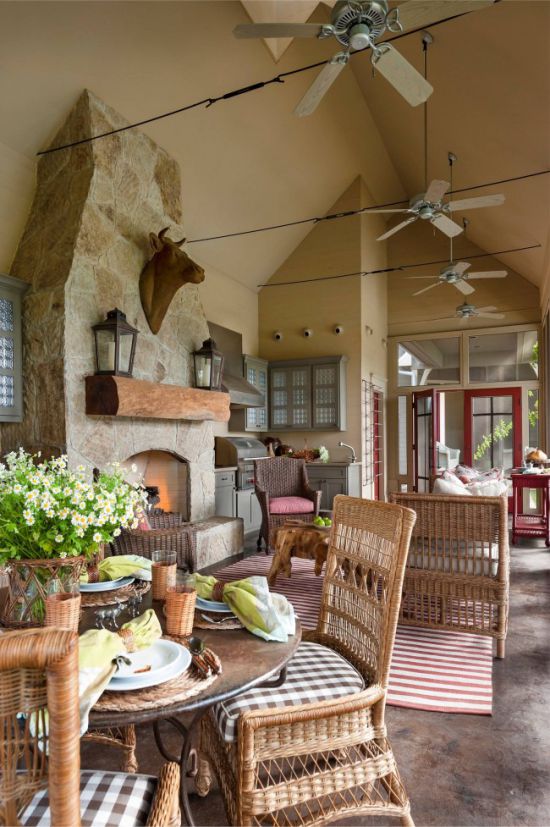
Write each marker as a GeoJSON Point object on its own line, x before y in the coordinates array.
{"type": "Point", "coordinates": [308, 394]}
{"type": "Point", "coordinates": [224, 492]}
{"type": "Point", "coordinates": [334, 478]}
{"type": "Point", "coordinates": [252, 419]}
{"type": "Point", "coordinates": [249, 509]}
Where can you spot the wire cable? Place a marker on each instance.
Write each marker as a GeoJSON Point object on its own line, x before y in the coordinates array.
{"type": "Point", "coordinates": [398, 269]}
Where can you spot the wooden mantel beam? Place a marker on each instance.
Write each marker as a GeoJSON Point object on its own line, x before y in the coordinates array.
{"type": "Point", "coordinates": [122, 396]}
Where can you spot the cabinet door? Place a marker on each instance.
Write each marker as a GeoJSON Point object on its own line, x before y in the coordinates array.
{"type": "Point", "coordinates": [243, 508]}
{"type": "Point", "coordinates": [332, 488]}
{"type": "Point", "coordinates": [326, 396]}
{"type": "Point", "coordinates": [256, 374]}
{"type": "Point", "coordinates": [225, 501]}
{"type": "Point", "coordinates": [300, 397]}
{"type": "Point", "coordinates": [279, 402]}
{"type": "Point", "coordinates": [255, 513]}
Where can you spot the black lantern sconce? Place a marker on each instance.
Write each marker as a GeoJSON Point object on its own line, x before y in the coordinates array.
{"type": "Point", "coordinates": [115, 345]}
{"type": "Point", "coordinates": [208, 367]}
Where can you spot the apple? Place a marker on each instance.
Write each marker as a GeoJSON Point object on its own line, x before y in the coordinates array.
{"type": "Point", "coordinates": [327, 521]}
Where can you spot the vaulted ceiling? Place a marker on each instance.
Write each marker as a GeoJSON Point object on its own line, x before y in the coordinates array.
{"type": "Point", "coordinates": [250, 161]}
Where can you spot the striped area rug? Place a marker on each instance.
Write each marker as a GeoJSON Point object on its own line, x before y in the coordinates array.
{"type": "Point", "coordinates": [431, 670]}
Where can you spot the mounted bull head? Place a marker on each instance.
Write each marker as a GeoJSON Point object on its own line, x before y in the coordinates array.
{"type": "Point", "coordinates": [161, 278]}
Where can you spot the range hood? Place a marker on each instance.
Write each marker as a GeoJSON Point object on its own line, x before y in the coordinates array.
{"type": "Point", "coordinates": [241, 393]}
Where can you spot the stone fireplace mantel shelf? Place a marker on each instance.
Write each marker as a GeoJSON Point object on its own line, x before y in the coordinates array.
{"type": "Point", "coordinates": [122, 396]}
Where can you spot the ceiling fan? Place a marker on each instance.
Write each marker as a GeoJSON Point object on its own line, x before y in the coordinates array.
{"type": "Point", "coordinates": [470, 311]}
{"type": "Point", "coordinates": [455, 273]}
{"type": "Point", "coordinates": [359, 25]}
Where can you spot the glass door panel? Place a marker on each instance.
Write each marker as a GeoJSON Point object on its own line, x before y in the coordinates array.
{"type": "Point", "coordinates": [425, 435]}
{"type": "Point", "coordinates": [492, 422]}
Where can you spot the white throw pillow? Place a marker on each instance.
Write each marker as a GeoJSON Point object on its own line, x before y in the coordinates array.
{"type": "Point", "coordinates": [447, 487]}
{"type": "Point", "coordinates": [489, 488]}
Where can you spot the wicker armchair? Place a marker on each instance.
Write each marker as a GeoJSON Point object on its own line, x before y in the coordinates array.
{"type": "Point", "coordinates": [40, 778]}
{"type": "Point", "coordinates": [278, 478]}
{"type": "Point", "coordinates": [315, 750]}
{"type": "Point", "coordinates": [168, 532]}
{"type": "Point", "coordinates": [457, 574]}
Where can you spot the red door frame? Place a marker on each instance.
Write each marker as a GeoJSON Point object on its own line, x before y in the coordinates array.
{"type": "Point", "coordinates": [377, 448]}
{"type": "Point", "coordinates": [434, 395]}
{"type": "Point", "coordinates": [515, 393]}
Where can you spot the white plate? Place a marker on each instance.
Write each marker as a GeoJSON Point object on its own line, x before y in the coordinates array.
{"type": "Point", "coordinates": [213, 606]}
{"type": "Point", "coordinates": [106, 585]}
{"type": "Point", "coordinates": [175, 663]}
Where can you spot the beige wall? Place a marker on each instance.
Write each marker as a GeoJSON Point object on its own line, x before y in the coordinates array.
{"type": "Point", "coordinates": [17, 184]}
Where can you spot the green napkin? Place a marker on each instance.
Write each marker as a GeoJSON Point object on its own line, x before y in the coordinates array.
{"type": "Point", "coordinates": [97, 653]}
{"type": "Point", "coordinates": [124, 565]}
{"type": "Point", "coordinates": [267, 615]}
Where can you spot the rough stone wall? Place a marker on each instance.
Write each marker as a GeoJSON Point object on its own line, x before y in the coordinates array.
{"type": "Point", "coordinates": [83, 249]}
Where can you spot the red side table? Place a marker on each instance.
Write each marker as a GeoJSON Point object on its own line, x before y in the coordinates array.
{"type": "Point", "coordinates": [531, 525]}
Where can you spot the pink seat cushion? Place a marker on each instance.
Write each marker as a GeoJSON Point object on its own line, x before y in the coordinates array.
{"type": "Point", "coordinates": [290, 505]}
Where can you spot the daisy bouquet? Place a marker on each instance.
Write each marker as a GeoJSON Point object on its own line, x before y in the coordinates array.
{"type": "Point", "coordinates": [49, 511]}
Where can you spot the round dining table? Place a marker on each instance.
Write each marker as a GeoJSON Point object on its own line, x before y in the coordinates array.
{"type": "Point", "coordinates": [247, 661]}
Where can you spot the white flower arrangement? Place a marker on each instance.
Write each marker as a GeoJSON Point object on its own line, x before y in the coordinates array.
{"type": "Point", "coordinates": [47, 510]}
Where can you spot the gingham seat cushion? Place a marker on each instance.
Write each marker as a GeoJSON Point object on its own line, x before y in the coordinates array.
{"type": "Point", "coordinates": [107, 799]}
{"type": "Point", "coordinates": [315, 673]}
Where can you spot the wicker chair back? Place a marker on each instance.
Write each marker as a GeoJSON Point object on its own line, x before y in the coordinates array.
{"type": "Point", "coordinates": [39, 672]}
{"type": "Point", "coordinates": [362, 586]}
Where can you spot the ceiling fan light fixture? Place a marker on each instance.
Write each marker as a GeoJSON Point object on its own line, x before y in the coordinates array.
{"type": "Point", "coordinates": [360, 37]}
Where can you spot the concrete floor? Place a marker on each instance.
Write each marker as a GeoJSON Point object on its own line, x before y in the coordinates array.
{"type": "Point", "coordinates": [460, 769]}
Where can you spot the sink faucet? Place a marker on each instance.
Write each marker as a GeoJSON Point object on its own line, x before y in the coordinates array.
{"type": "Point", "coordinates": [352, 449]}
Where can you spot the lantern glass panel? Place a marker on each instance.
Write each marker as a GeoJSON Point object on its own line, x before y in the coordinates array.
{"type": "Point", "coordinates": [105, 350]}
{"type": "Point", "coordinates": [125, 350]}
{"type": "Point", "coordinates": [216, 371]}
{"type": "Point", "coordinates": [203, 369]}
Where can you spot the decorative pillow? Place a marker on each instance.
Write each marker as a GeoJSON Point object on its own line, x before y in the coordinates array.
{"type": "Point", "coordinates": [447, 487]}
{"type": "Point", "coordinates": [143, 523]}
{"type": "Point", "coordinates": [466, 474]}
{"type": "Point", "coordinates": [450, 476]}
{"type": "Point", "coordinates": [290, 505]}
{"type": "Point", "coordinates": [488, 488]}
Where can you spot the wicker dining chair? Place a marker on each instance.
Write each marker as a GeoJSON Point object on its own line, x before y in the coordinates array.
{"type": "Point", "coordinates": [40, 778]}
{"type": "Point", "coordinates": [315, 749]}
{"type": "Point", "coordinates": [283, 491]}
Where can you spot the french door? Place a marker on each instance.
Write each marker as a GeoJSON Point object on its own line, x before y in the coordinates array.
{"type": "Point", "coordinates": [378, 444]}
{"type": "Point", "coordinates": [425, 437]}
{"type": "Point", "coordinates": [492, 428]}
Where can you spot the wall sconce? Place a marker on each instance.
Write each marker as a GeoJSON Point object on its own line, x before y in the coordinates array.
{"type": "Point", "coordinates": [208, 367]}
{"type": "Point", "coordinates": [115, 345]}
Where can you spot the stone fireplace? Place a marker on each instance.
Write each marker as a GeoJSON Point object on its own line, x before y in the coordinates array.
{"type": "Point", "coordinates": [82, 251]}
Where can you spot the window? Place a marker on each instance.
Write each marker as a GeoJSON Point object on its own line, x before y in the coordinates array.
{"type": "Point", "coordinates": [504, 357]}
{"type": "Point", "coordinates": [428, 362]}
{"type": "Point", "coordinates": [10, 349]}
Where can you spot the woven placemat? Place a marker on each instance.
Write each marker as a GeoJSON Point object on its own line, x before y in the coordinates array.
{"type": "Point", "coordinates": [172, 692]}
{"type": "Point", "coordinates": [120, 595]}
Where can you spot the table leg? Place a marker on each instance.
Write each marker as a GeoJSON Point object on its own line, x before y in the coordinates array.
{"type": "Point", "coordinates": [186, 733]}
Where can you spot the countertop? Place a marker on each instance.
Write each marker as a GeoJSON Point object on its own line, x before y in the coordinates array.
{"type": "Point", "coordinates": [225, 468]}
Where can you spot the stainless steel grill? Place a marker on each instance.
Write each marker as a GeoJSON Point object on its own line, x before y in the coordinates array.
{"type": "Point", "coordinates": [241, 452]}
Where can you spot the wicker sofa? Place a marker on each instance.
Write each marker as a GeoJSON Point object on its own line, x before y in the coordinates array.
{"type": "Point", "coordinates": [457, 574]}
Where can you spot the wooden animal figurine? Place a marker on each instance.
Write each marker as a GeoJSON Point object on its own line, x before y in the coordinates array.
{"type": "Point", "coordinates": [168, 270]}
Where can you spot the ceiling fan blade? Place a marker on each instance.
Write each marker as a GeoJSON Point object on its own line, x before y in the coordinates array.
{"type": "Point", "coordinates": [246, 30]}
{"type": "Point", "coordinates": [396, 228]}
{"type": "Point", "coordinates": [475, 203]}
{"type": "Point", "coordinates": [429, 287]}
{"type": "Point", "coordinates": [436, 191]}
{"type": "Point", "coordinates": [402, 75]}
{"type": "Point", "coordinates": [419, 277]}
{"type": "Point", "coordinates": [461, 267]}
{"type": "Point", "coordinates": [463, 286]}
{"type": "Point", "coordinates": [443, 223]}
{"type": "Point", "coordinates": [321, 85]}
{"type": "Point", "coordinates": [490, 274]}
{"type": "Point", "coordinates": [419, 13]}
{"type": "Point", "coordinates": [490, 315]}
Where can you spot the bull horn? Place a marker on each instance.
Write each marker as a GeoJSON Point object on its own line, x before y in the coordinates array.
{"type": "Point", "coordinates": [161, 234]}
{"type": "Point", "coordinates": [179, 243]}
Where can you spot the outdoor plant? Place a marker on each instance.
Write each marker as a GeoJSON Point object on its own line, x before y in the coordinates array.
{"type": "Point", "coordinates": [49, 511]}
{"type": "Point", "coordinates": [501, 431]}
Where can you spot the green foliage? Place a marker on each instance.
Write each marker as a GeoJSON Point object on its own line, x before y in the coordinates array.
{"type": "Point", "coordinates": [49, 511]}
{"type": "Point", "coordinates": [533, 412]}
{"type": "Point", "coordinates": [501, 430]}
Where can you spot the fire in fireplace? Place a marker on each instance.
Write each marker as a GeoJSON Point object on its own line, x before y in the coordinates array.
{"type": "Point", "coordinates": [167, 472]}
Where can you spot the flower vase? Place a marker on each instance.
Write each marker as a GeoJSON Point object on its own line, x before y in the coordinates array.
{"type": "Point", "coordinates": [30, 582]}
